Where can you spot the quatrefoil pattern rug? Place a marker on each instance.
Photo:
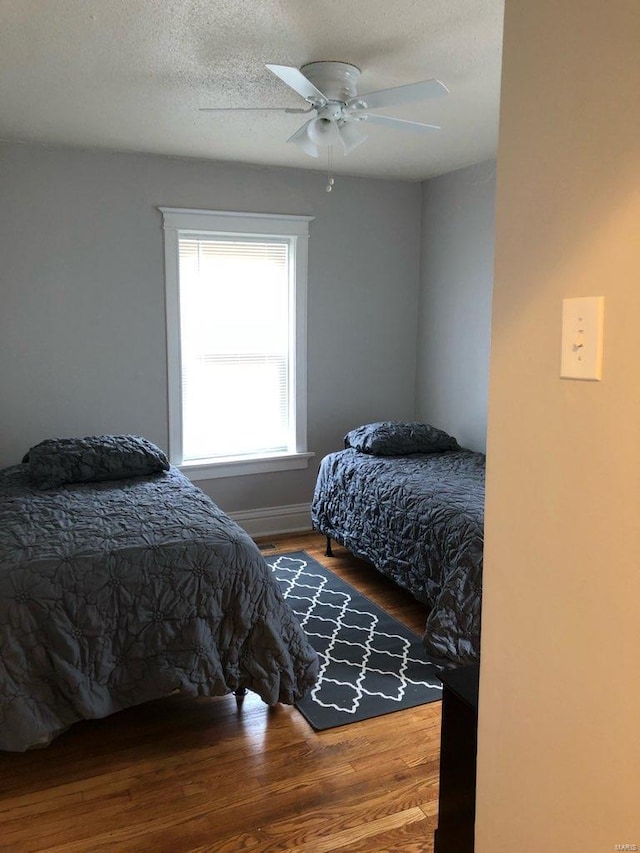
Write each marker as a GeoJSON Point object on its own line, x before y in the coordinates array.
{"type": "Point", "coordinates": [370, 664]}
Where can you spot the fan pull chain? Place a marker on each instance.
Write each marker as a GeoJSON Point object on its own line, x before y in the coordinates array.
{"type": "Point", "coordinates": [330, 179]}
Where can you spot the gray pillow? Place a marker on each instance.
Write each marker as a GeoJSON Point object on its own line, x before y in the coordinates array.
{"type": "Point", "coordinates": [56, 461]}
{"type": "Point", "coordinates": [399, 438]}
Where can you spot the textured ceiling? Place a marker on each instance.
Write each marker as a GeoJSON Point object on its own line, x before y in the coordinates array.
{"type": "Point", "coordinates": [131, 75]}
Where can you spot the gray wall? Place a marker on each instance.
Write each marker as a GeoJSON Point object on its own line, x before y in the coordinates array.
{"type": "Point", "coordinates": [455, 302]}
{"type": "Point", "coordinates": [82, 324]}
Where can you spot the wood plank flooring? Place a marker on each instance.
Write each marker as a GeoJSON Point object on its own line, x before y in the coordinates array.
{"type": "Point", "coordinates": [205, 775]}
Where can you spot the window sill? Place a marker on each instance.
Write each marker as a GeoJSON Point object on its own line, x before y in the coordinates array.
{"type": "Point", "coordinates": [230, 467]}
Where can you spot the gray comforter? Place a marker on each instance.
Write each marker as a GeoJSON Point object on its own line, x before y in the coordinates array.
{"type": "Point", "coordinates": [115, 593]}
{"type": "Point", "coordinates": [418, 519]}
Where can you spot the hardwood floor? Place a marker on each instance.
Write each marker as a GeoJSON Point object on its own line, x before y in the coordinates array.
{"type": "Point", "coordinates": [205, 775]}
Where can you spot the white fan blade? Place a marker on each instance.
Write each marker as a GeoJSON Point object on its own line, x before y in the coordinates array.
{"type": "Point", "coordinates": [399, 95]}
{"type": "Point", "coordinates": [299, 83]}
{"type": "Point", "coordinates": [301, 139]}
{"type": "Point", "coordinates": [401, 123]}
{"type": "Point", "coordinates": [251, 109]}
{"type": "Point", "coordinates": [351, 136]}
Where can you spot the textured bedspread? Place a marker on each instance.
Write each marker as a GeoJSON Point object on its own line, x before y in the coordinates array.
{"type": "Point", "coordinates": [418, 519]}
{"type": "Point", "coordinates": [115, 593]}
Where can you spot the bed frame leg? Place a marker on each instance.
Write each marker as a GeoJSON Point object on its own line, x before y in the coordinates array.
{"type": "Point", "coordinates": [240, 692]}
{"type": "Point", "coordinates": [328, 552]}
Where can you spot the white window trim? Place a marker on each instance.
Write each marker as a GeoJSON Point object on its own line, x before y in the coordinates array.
{"type": "Point", "coordinates": [235, 223]}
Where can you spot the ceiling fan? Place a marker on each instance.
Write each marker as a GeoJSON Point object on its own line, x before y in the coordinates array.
{"type": "Point", "coordinates": [330, 89]}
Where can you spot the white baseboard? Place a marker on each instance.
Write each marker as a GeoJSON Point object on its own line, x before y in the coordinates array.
{"type": "Point", "coordinates": [274, 520]}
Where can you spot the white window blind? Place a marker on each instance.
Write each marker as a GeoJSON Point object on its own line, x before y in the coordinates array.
{"type": "Point", "coordinates": [237, 345]}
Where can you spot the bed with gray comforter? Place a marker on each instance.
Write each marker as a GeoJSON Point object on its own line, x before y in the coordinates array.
{"type": "Point", "coordinates": [407, 499]}
{"type": "Point", "coordinates": [114, 592]}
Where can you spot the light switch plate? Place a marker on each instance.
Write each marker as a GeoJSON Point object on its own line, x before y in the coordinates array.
{"type": "Point", "coordinates": [582, 337]}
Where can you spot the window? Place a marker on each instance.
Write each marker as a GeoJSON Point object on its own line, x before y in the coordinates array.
{"type": "Point", "coordinates": [236, 329]}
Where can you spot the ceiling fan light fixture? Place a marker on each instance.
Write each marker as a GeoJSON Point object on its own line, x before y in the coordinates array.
{"type": "Point", "coordinates": [323, 132]}
{"type": "Point", "coordinates": [351, 136]}
{"type": "Point", "coordinates": [301, 139]}
{"type": "Point", "coordinates": [307, 146]}
{"type": "Point", "coordinates": [330, 90]}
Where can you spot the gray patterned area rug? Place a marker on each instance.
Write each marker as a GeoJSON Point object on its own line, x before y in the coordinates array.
{"type": "Point", "coordinates": [370, 664]}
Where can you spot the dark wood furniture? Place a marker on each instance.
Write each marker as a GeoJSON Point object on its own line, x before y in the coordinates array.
{"type": "Point", "coordinates": [458, 743]}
